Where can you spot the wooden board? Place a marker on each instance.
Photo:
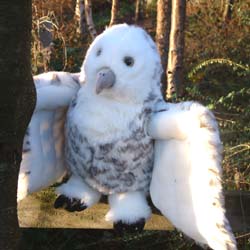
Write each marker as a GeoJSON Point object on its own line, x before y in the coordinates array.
{"type": "Point", "coordinates": [37, 211]}
{"type": "Point", "coordinates": [238, 210]}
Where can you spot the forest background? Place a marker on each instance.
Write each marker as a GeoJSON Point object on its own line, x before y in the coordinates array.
{"type": "Point", "coordinates": [215, 65]}
{"type": "Point", "coordinates": [215, 72]}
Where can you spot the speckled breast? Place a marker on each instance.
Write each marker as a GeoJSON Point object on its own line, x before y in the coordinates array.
{"type": "Point", "coordinates": [122, 165]}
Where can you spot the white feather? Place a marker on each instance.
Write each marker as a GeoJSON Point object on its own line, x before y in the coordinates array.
{"type": "Point", "coordinates": [173, 124]}
{"type": "Point", "coordinates": [100, 126]}
{"type": "Point", "coordinates": [77, 188]}
{"type": "Point", "coordinates": [55, 90]}
{"type": "Point", "coordinates": [186, 184]}
{"type": "Point", "coordinates": [43, 163]}
{"type": "Point", "coordinates": [128, 207]}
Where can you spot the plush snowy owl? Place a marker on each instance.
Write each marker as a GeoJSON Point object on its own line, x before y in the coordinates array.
{"type": "Point", "coordinates": [122, 140]}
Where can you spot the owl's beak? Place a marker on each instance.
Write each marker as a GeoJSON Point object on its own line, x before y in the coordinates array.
{"type": "Point", "coordinates": [105, 79]}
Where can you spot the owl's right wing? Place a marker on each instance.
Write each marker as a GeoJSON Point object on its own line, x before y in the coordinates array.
{"type": "Point", "coordinates": [186, 182]}
{"type": "Point", "coordinates": [43, 147]}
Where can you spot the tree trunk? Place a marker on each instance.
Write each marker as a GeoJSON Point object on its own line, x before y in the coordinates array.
{"type": "Point", "coordinates": [222, 4]}
{"type": "Point", "coordinates": [162, 35]}
{"type": "Point", "coordinates": [17, 100]}
{"type": "Point", "coordinates": [139, 10]}
{"type": "Point", "coordinates": [176, 48]}
{"type": "Point", "coordinates": [80, 17]}
{"type": "Point", "coordinates": [227, 15]}
{"type": "Point", "coordinates": [149, 6]}
{"type": "Point", "coordinates": [114, 13]}
{"type": "Point", "coordinates": [148, 3]}
{"type": "Point", "coordinates": [89, 18]}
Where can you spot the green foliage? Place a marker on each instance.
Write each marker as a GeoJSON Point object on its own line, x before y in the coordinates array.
{"type": "Point", "coordinates": [232, 110]}
{"type": "Point", "coordinates": [244, 14]}
{"type": "Point", "coordinates": [151, 9]}
{"type": "Point", "coordinates": [101, 19]}
{"type": "Point", "coordinates": [218, 75]}
{"type": "Point", "coordinates": [207, 36]}
{"type": "Point", "coordinates": [46, 195]}
{"type": "Point", "coordinates": [221, 62]}
{"type": "Point", "coordinates": [127, 8]}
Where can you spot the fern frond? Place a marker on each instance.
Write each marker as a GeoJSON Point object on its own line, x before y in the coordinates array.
{"type": "Point", "coordinates": [219, 61]}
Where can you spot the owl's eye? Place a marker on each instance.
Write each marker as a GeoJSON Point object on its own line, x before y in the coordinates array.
{"type": "Point", "coordinates": [129, 61]}
{"type": "Point", "coordinates": [98, 52]}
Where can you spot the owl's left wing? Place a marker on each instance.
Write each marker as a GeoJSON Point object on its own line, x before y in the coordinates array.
{"type": "Point", "coordinates": [43, 147]}
{"type": "Point", "coordinates": [186, 182]}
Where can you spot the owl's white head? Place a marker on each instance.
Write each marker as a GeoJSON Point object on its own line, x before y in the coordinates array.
{"type": "Point", "coordinates": [122, 63]}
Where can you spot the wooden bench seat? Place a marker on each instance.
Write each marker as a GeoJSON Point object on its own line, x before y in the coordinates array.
{"type": "Point", "coordinates": [37, 211]}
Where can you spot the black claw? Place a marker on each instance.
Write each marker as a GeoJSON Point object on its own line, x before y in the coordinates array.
{"type": "Point", "coordinates": [60, 201]}
{"type": "Point", "coordinates": [81, 207]}
{"type": "Point", "coordinates": [69, 204]}
{"type": "Point", "coordinates": [73, 205]}
{"type": "Point", "coordinates": [122, 228]}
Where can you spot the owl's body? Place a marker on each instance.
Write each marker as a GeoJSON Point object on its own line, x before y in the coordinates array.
{"type": "Point", "coordinates": [111, 150]}
{"type": "Point", "coordinates": [109, 157]}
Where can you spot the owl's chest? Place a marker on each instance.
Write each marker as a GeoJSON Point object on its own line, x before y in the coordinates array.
{"type": "Point", "coordinates": [120, 165]}
{"type": "Point", "coordinates": [103, 121]}
{"type": "Point", "coordinates": [109, 147]}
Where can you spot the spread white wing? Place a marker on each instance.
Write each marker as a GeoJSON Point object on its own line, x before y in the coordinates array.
{"type": "Point", "coordinates": [43, 147]}
{"type": "Point", "coordinates": [186, 183]}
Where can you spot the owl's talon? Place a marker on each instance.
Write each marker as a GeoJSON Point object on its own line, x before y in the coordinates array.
{"type": "Point", "coordinates": [60, 201]}
{"type": "Point", "coordinates": [69, 204]}
{"type": "Point", "coordinates": [122, 228]}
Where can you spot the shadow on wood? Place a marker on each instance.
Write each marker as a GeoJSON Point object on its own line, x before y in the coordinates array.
{"type": "Point", "coordinates": [238, 210]}
{"type": "Point", "coordinates": [102, 239]}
